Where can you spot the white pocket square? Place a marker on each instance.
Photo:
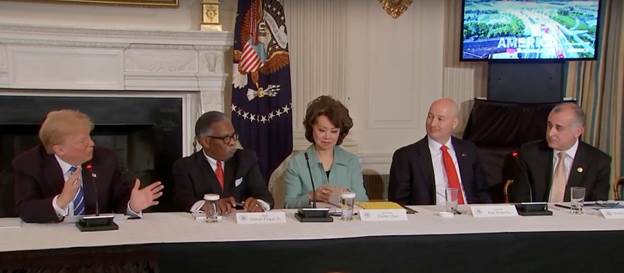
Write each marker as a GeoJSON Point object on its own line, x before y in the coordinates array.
{"type": "Point", "coordinates": [237, 182]}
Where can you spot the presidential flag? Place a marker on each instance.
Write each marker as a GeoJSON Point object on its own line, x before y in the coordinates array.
{"type": "Point", "coordinates": [261, 97]}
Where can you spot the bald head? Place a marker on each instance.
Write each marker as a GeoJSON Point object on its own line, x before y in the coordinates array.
{"type": "Point", "coordinates": [442, 119]}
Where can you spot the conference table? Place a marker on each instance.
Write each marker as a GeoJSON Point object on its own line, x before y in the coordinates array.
{"type": "Point", "coordinates": [426, 242]}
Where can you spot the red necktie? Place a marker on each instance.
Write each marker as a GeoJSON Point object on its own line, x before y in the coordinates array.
{"type": "Point", "coordinates": [451, 174]}
{"type": "Point", "coordinates": [219, 173]}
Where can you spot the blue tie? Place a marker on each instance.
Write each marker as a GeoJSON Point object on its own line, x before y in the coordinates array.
{"type": "Point", "coordinates": [79, 204]}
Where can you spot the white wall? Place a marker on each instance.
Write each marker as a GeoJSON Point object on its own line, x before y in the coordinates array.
{"type": "Point", "coordinates": [387, 71]}
{"type": "Point", "coordinates": [186, 17]}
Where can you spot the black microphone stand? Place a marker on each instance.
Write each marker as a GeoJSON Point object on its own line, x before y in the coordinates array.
{"type": "Point", "coordinates": [531, 208]}
{"type": "Point", "coordinates": [96, 222]}
{"type": "Point", "coordinates": [314, 214]}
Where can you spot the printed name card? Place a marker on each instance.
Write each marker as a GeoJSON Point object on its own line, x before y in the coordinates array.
{"type": "Point", "coordinates": [378, 215]}
{"type": "Point", "coordinates": [269, 217]}
{"type": "Point", "coordinates": [493, 211]}
{"type": "Point", "coordinates": [612, 213]}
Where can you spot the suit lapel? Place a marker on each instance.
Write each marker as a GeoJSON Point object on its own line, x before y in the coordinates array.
{"type": "Point", "coordinates": [228, 176]}
{"type": "Point", "coordinates": [577, 169]}
{"type": "Point", "coordinates": [427, 167]}
{"type": "Point", "coordinates": [461, 156]}
{"type": "Point", "coordinates": [53, 174]}
{"type": "Point", "coordinates": [89, 193]}
{"type": "Point", "coordinates": [544, 159]}
{"type": "Point", "coordinates": [211, 185]}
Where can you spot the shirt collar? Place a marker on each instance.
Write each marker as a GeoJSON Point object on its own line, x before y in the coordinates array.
{"type": "Point", "coordinates": [434, 146]}
{"type": "Point", "coordinates": [64, 165]}
{"type": "Point", "coordinates": [569, 152]}
{"type": "Point", "coordinates": [211, 161]}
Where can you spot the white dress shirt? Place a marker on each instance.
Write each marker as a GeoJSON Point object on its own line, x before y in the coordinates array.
{"type": "Point", "coordinates": [197, 206]}
{"type": "Point", "coordinates": [441, 181]}
{"type": "Point", "coordinates": [567, 162]}
{"type": "Point", "coordinates": [60, 212]}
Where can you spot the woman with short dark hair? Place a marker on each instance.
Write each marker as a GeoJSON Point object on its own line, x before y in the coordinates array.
{"type": "Point", "coordinates": [334, 170]}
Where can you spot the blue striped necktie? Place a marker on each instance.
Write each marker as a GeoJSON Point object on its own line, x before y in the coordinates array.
{"type": "Point", "coordinates": [79, 204]}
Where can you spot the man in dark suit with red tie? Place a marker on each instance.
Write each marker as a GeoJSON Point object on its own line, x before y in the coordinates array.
{"type": "Point", "coordinates": [51, 177]}
{"type": "Point", "coordinates": [219, 168]}
{"type": "Point", "coordinates": [421, 172]}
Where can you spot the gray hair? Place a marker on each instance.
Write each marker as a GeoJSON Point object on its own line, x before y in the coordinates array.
{"type": "Point", "coordinates": [205, 121]}
{"type": "Point", "coordinates": [579, 115]}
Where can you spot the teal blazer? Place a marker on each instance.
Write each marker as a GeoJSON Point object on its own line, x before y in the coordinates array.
{"type": "Point", "coordinates": [345, 171]}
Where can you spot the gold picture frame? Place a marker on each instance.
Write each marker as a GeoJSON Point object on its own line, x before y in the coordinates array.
{"type": "Point", "coordinates": [150, 3]}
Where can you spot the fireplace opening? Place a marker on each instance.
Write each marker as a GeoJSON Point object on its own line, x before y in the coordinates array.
{"type": "Point", "coordinates": [145, 133]}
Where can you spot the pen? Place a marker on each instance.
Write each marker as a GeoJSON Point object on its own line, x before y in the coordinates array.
{"type": "Point", "coordinates": [562, 206]}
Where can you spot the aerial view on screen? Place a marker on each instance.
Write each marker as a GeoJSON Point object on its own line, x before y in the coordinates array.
{"type": "Point", "coordinates": [539, 29]}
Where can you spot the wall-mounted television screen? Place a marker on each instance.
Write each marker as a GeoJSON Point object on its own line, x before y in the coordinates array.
{"type": "Point", "coordinates": [530, 30]}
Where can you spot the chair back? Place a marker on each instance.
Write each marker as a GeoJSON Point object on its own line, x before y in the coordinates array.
{"type": "Point", "coordinates": [276, 182]}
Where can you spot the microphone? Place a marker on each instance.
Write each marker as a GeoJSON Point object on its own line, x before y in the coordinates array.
{"type": "Point", "coordinates": [314, 214]}
{"type": "Point", "coordinates": [531, 208]}
{"type": "Point", "coordinates": [89, 168]}
{"type": "Point", "coordinates": [97, 222]}
{"type": "Point", "coordinates": [311, 180]}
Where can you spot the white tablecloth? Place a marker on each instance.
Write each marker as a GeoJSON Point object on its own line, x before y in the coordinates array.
{"type": "Point", "coordinates": [181, 227]}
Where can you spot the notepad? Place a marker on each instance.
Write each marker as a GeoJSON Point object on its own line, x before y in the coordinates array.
{"type": "Point", "coordinates": [379, 205]}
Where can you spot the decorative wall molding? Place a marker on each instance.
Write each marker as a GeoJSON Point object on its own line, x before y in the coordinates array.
{"type": "Point", "coordinates": [108, 62]}
{"type": "Point", "coordinates": [317, 33]}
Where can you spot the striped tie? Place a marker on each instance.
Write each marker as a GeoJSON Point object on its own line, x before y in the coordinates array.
{"type": "Point", "coordinates": [79, 204]}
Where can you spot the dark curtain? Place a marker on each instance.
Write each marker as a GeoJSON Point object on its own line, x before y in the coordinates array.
{"type": "Point", "coordinates": [498, 129]}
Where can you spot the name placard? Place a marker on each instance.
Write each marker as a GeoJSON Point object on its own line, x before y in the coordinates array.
{"type": "Point", "coordinates": [377, 215]}
{"type": "Point", "coordinates": [269, 217]}
{"type": "Point", "coordinates": [612, 213]}
{"type": "Point", "coordinates": [493, 211]}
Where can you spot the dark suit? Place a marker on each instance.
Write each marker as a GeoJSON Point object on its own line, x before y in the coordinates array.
{"type": "Point", "coordinates": [412, 181]}
{"type": "Point", "coordinates": [590, 169]}
{"type": "Point", "coordinates": [194, 177]}
{"type": "Point", "coordinates": [38, 178]}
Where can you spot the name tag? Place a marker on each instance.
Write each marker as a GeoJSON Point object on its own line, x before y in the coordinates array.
{"type": "Point", "coordinates": [377, 215]}
{"type": "Point", "coordinates": [493, 211]}
{"type": "Point", "coordinates": [612, 213]}
{"type": "Point", "coordinates": [269, 217]}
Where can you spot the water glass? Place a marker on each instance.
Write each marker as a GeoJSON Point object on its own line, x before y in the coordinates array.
{"type": "Point", "coordinates": [347, 202]}
{"type": "Point", "coordinates": [210, 207]}
{"type": "Point", "coordinates": [451, 200]}
{"type": "Point", "coordinates": [577, 198]}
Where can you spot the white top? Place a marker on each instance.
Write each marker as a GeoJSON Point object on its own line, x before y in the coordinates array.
{"type": "Point", "coordinates": [441, 181]}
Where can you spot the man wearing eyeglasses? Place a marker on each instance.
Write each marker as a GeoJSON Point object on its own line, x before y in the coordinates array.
{"type": "Point", "coordinates": [219, 168]}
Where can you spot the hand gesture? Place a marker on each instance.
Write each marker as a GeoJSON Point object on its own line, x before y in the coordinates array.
{"type": "Point", "coordinates": [322, 193]}
{"type": "Point", "coordinates": [70, 187]}
{"type": "Point", "coordinates": [141, 199]}
{"type": "Point", "coordinates": [226, 205]}
{"type": "Point", "coordinates": [252, 205]}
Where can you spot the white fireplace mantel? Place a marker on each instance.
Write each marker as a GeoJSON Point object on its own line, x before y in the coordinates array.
{"type": "Point", "coordinates": [60, 61]}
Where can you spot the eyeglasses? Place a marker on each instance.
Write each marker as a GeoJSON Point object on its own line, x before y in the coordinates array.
{"type": "Point", "coordinates": [226, 139]}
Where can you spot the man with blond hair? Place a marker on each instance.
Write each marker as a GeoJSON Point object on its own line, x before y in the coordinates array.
{"type": "Point", "coordinates": [421, 172]}
{"type": "Point", "coordinates": [63, 171]}
{"type": "Point", "coordinates": [549, 167]}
